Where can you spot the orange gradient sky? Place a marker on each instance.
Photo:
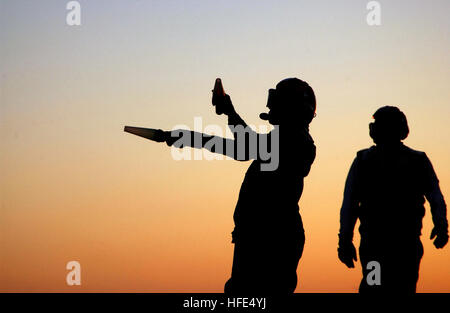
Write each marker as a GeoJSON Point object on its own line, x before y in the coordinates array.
{"type": "Point", "coordinates": [74, 186]}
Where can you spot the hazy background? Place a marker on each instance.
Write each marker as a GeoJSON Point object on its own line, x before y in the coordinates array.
{"type": "Point", "coordinates": [74, 186]}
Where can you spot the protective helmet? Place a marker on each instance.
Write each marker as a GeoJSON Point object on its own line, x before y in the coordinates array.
{"type": "Point", "coordinates": [390, 125]}
{"type": "Point", "coordinates": [293, 96]}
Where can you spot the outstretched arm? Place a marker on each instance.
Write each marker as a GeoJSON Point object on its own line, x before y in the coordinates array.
{"type": "Point", "coordinates": [181, 138]}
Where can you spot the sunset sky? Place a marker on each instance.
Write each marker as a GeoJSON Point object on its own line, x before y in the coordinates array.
{"type": "Point", "coordinates": [74, 186]}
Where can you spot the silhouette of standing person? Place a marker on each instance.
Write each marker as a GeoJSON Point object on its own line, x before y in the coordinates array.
{"type": "Point", "coordinates": [268, 234]}
{"type": "Point", "coordinates": [386, 189]}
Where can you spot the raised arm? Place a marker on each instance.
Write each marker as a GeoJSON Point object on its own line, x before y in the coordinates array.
{"type": "Point", "coordinates": [247, 142]}
{"type": "Point", "coordinates": [236, 124]}
{"type": "Point", "coordinates": [245, 145]}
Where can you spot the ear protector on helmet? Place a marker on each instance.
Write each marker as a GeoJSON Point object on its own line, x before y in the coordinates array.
{"type": "Point", "coordinates": [271, 102]}
{"type": "Point", "coordinates": [372, 131]}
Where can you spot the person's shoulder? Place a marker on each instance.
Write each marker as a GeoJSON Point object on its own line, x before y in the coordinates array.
{"type": "Point", "coordinates": [304, 141]}
{"type": "Point", "coordinates": [419, 158]}
{"type": "Point", "coordinates": [364, 153]}
{"type": "Point", "coordinates": [415, 153]}
{"type": "Point", "coordinates": [366, 150]}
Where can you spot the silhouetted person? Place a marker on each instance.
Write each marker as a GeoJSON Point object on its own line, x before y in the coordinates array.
{"type": "Point", "coordinates": [268, 233]}
{"type": "Point", "coordinates": [385, 189]}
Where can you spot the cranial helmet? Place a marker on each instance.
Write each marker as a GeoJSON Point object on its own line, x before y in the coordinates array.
{"type": "Point", "coordinates": [390, 125]}
{"type": "Point", "coordinates": [294, 97]}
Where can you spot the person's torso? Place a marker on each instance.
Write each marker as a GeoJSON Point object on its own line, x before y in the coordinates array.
{"type": "Point", "coordinates": [390, 185]}
{"type": "Point", "coordinates": [270, 198]}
